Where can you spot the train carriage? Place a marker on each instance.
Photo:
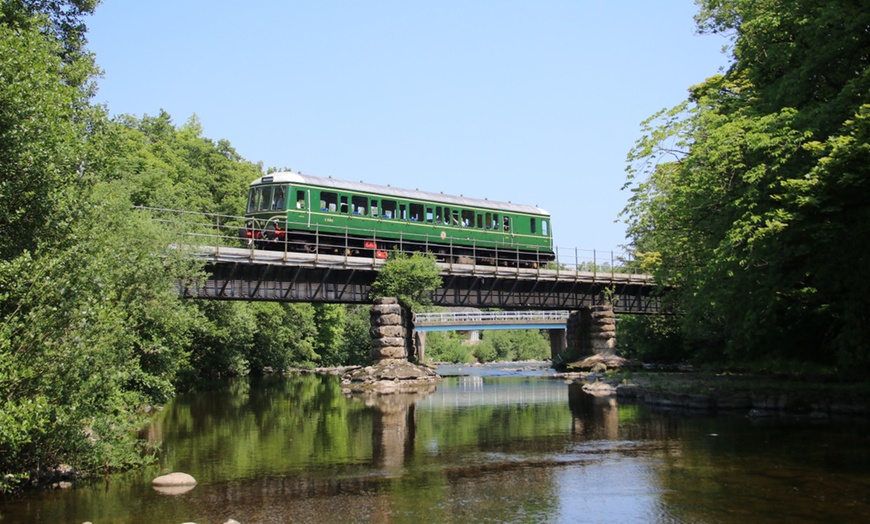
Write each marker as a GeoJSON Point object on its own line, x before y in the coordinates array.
{"type": "Point", "coordinates": [315, 214]}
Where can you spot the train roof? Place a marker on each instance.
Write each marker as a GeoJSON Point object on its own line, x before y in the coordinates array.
{"type": "Point", "coordinates": [288, 177]}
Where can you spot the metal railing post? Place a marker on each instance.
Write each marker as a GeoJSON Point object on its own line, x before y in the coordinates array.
{"type": "Point", "coordinates": [594, 265]}
{"type": "Point", "coordinates": [612, 269]}
{"type": "Point", "coordinates": [217, 246]}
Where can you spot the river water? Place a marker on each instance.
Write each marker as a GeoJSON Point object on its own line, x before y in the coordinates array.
{"type": "Point", "coordinates": [493, 444]}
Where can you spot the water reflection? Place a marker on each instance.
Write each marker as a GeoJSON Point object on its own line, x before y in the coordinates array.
{"type": "Point", "coordinates": [594, 417]}
{"type": "Point", "coordinates": [394, 425]}
{"type": "Point", "coordinates": [479, 448]}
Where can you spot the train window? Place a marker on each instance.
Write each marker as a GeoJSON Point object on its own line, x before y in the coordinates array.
{"type": "Point", "coordinates": [479, 221]}
{"type": "Point", "coordinates": [300, 200]}
{"type": "Point", "coordinates": [342, 208]}
{"type": "Point", "coordinates": [429, 214]}
{"type": "Point", "coordinates": [534, 226]}
{"type": "Point", "coordinates": [467, 218]}
{"type": "Point", "coordinates": [359, 205]}
{"type": "Point", "coordinates": [437, 215]}
{"type": "Point", "coordinates": [252, 199]}
{"type": "Point", "coordinates": [265, 198]}
{"type": "Point", "coordinates": [506, 223]}
{"type": "Point", "coordinates": [374, 208]}
{"type": "Point", "coordinates": [278, 198]}
{"type": "Point", "coordinates": [488, 221]}
{"type": "Point", "coordinates": [545, 228]}
{"type": "Point", "coordinates": [403, 212]}
{"type": "Point", "coordinates": [495, 222]}
{"type": "Point", "coordinates": [328, 201]}
{"type": "Point", "coordinates": [388, 209]}
{"type": "Point", "coordinates": [455, 218]}
{"type": "Point", "coordinates": [416, 212]}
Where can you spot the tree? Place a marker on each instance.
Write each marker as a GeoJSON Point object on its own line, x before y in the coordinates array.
{"type": "Point", "coordinates": [44, 136]}
{"type": "Point", "coordinates": [409, 278]}
{"type": "Point", "coordinates": [178, 168]}
{"type": "Point", "coordinates": [63, 21]}
{"type": "Point", "coordinates": [749, 195]}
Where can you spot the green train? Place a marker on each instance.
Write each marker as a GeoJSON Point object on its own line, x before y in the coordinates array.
{"type": "Point", "coordinates": [296, 212]}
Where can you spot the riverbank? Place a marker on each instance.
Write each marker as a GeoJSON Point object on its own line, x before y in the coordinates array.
{"type": "Point", "coordinates": [757, 395]}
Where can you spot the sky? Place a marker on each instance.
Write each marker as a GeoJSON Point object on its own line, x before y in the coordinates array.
{"type": "Point", "coordinates": [533, 102]}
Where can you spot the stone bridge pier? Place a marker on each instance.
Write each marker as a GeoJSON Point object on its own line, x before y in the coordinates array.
{"type": "Point", "coordinates": [392, 331]}
{"type": "Point", "coordinates": [592, 331]}
{"type": "Point", "coordinates": [589, 331]}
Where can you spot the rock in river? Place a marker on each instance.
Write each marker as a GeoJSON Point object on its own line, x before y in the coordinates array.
{"type": "Point", "coordinates": [174, 483]}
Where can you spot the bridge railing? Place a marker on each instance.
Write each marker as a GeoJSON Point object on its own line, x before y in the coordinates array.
{"type": "Point", "coordinates": [444, 317]}
{"type": "Point", "coordinates": [217, 231]}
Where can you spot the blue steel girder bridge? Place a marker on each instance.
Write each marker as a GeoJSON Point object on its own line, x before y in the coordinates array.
{"type": "Point", "coordinates": [235, 271]}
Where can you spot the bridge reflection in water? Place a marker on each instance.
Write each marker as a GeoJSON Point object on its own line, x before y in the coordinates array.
{"type": "Point", "coordinates": [395, 417]}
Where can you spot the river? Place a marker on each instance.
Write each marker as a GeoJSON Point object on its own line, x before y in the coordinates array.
{"type": "Point", "coordinates": [492, 444]}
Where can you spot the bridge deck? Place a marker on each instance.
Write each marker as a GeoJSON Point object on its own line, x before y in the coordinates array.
{"type": "Point", "coordinates": [252, 274]}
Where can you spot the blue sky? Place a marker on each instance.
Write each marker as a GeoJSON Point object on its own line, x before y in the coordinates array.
{"type": "Point", "coordinates": [530, 102]}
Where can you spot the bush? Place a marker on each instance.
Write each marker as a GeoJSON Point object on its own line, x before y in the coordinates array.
{"type": "Point", "coordinates": [651, 338]}
{"type": "Point", "coordinates": [518, 344]}
{"type": "Point", "coordinates": [446, 346]}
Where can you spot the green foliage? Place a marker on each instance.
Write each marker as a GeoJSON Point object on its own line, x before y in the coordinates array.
{"type": "Point", "coordinates": [221, 340]}
{"type": "Point", "coordinates": [506, 345]}
{"type": "Point", "coordinates": [60, 19]}
{"type": "Point", "coordinates": [237, 338]}
{"type": "Point", "coordinates": [409, 278]}
{"type": "Point", "coordinates": [651, 338]}
{"type": "Point", "coordinates": [43, 138]}
{"type": "Point", "coordinates": [750, 195]}
{"type": "Point", "coordinates": [286, 334]}
{"type": "Point", "coordinates": [447, 346]}
{"type": "Point", "coordinates": [484, 351]}
{"type": "Point", "coordinates": [356, 339]}
{"type": "Point", "coordinates": [177, 168]}
{"type": "Point", "coordinates": [329, 322]}
{"type": "Point", "coordinates": [91, 331]}
{"type": "Point", "coordinates": [518, 344]}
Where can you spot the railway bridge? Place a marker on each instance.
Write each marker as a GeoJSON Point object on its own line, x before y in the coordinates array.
{"type": "Point", "coordinates": [592, 287]}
